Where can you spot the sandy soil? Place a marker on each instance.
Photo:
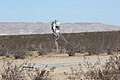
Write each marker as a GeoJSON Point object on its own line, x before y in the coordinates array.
{"type": "Point", "coordinates": [53, 59]}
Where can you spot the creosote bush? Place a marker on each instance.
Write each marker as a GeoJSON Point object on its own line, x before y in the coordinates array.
{"type": "Point", "coordinates": [72, 48]}
{"type": "Point", "coordinates": [109, 71]}
{"type": "Point", "coordinates": [24, 71]}
{"type": "Point", "coordinates": [41, 74]}
{"type": "Point", "coordinates": [12, 72]}
{"type": "Point", "coordinates": [91, 42]}
{"type": "Point", "coordinates": [20, 54]}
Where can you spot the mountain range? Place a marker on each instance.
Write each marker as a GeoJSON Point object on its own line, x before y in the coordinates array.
{"type": "Point", "coordinates": [23, 28]}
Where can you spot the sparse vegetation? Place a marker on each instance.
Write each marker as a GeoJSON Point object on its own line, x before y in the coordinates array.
{"type": "Point", "coordinates": [38, 74]}
{"type": "Point", "coordinates": [19, 55]}
{"type": "Point", "coordinates": [91, 42]}
{"type": "Point", "coordinates": [13, 71]}
{"type": "Point", "coordinates": [72, 49]}
{"type": "Point", "coordinates": [109, 71]}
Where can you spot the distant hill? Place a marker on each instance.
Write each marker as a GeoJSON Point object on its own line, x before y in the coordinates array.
{"type": "Point", "coordinates": [19, 28]}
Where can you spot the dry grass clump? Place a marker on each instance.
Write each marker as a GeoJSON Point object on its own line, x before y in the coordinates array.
{"type": "Point", "coordinates": [109, 71]}
{"type": "Point", "coordinates": [76, 74]}
{"type": "Point", "coordinates": [41, 74]}
{"type": "Point", "coordinates": [12, 72]}
{"type": "Point", "coordinates": [24, 71]}
{"type": "Point", "coordinates": [38, 74]}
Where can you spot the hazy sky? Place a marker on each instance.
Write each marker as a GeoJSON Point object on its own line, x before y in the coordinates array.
{"type": "Point", "coordinates": [103, 11]}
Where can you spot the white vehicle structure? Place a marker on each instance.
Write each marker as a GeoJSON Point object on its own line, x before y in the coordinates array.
{"type": "Point", "coordinates": [55, 26]}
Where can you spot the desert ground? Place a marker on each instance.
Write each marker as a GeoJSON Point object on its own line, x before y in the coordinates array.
{"type": "Point", "coordinates": [61, 62]}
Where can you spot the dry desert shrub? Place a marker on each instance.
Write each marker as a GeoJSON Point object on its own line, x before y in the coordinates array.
{"type": "Point", "coordinates": [24, 71]}
{"type": "Point", "coordinates": [76, 74]}
{"type": "Point", "coordinates": [12, 72]}
{"type": "Point", "coordinates": [41, 74]}
{"type": "Point", "coordinates": [109, 71]}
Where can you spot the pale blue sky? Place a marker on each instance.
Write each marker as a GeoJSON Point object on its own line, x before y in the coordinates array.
{"type": "Point", "coordinates": [103, 11]}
